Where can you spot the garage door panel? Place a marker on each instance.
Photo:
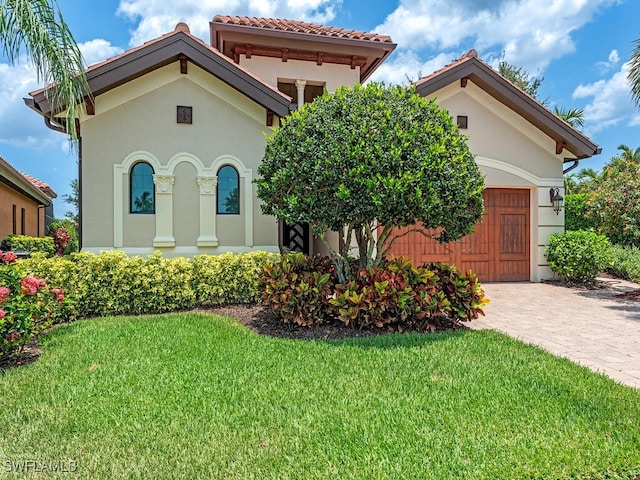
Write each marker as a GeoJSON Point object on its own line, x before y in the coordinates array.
{"type": "Point", "coordinates": [498, 250]}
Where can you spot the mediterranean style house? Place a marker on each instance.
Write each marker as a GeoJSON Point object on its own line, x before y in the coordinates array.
{"type": "Point", "coordinates": [26, 203]}
{"type": "Point", "coordinates": [174, 130]}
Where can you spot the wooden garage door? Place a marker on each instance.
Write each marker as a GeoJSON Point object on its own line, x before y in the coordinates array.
{"type": "Point", "coordinates": [498, 250]}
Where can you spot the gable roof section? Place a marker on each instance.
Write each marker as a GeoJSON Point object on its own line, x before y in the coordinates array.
{"type": "Point", "coordinates": [26, 185]}
{"type": "Point", "coordinates": [162, 51]}
{"type": "Point", "coordinates": [303, 41]}
{"type": "Point", "coordinates": [470, 67]}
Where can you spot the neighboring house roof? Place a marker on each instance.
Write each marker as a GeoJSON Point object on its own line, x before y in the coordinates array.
{"type": "Point", "coordinates": [470, 67]}
{"type": "Point", "coordinates": [171, 47]}
{"type": "Point", "coordinates": [296, 40]}
{"type": "Point", "coordinates": [26, 185]}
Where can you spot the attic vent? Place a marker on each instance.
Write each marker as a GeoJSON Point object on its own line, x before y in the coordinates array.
{"type": "Point", "coordinates": [462, 121]}
{"type": "Point", "coordinates": [185, 114]}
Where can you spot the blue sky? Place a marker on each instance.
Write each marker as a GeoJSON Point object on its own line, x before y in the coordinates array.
{"type": "Point", "coordinates": [580, 47]}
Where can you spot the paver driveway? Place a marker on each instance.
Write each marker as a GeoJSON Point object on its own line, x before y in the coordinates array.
{"type": "Point", "coordinates": [591, 327]}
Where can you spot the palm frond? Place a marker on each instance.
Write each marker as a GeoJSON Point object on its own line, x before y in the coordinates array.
{"type": "Point", "coordinates": [36, 28]}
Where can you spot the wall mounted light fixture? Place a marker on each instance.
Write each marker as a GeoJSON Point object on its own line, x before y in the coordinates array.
{"type": "Point", "coordinates": [556, 199]}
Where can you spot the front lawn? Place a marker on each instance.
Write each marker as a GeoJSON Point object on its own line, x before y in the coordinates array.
{"type": "Point", "coordinates": [200, 396]}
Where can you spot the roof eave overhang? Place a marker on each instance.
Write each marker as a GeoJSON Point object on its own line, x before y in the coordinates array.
{"type": "Point", "coordinates": [16, 181]}
{"type": "Point", "coordinates": [520, 102]}
{"type": "Point", "coordinates": [384, 48]}
{"type": "Point", "coordinates": [167, 50]}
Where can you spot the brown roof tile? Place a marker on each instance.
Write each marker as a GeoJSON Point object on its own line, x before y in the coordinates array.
{"type": "Point", "coordinates": [301, 27]}
{"type": "Point", "coordinates": [36, 183]}
{"type": "Point", "coordinates": [464, 58]}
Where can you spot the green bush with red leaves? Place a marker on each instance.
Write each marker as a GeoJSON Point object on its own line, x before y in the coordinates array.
{"type": "Point", "coordinates": [394, 296]}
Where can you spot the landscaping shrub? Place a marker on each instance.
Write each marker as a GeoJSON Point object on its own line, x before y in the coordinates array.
{"type": "Point", "coordinates": [625, 262]}
{"type": "Point", "coordinates": [297, 288]}
{"type": "Point", "coordinates": [396, 295]}
{"type": "Point", "coordinates": [578, 256]}
{"type": "Point", "coordinates": [24, 243]}
{"type": "Point", "coordinates": [112, 283]}
{"type": "Point", "coordinates": [65, 237]}
{"type": "Point", "coordinates": [229, 278]}
{"type": "Point", "coordinates": [27, 305]}
{"type": "Point", "coordinates": [462, 290]}
{"type": "Point", "coordinates": [575, 213]}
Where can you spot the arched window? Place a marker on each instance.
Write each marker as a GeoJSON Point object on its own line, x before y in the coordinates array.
{"type": "Point", "coordinates": [141, 189]}
{"type": "Point", "coordinates": [228, 191]}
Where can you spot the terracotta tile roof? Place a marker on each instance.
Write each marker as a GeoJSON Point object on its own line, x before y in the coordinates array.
{"type": "Point", "coordinates": [36, 183]}
{"type": "Point", "coordinates": [464, 58]}
{"type": "Point", "coordinates": [26, 182]}
{"type": "Point", "coordinates": [301, 27]}
{"type": "Point", "coordinates": [180, 28]}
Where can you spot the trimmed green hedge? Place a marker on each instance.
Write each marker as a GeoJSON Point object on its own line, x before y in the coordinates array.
{"type": "Point", "coordinates": [579, 255]}
{"type": "Point", "coordinates": [112, 283]}
{"type": "Point", "coordinates": [625, 262]}
{"type": "Point", "coordinates": [23, 243]}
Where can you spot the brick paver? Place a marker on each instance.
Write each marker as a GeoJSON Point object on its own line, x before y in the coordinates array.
{"type": "Point", "coordinates": [591, 327]}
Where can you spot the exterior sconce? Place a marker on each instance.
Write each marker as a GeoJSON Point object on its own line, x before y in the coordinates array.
{"type": "Point", "coordinates": [556, 199]}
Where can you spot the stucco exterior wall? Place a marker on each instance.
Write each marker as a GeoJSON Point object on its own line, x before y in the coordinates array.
{"type": "Point", "coordinates": [271, 70]}
{"type": "Point", "coordinates": [33, 216]}
{"type": "Point", "coordinates": [511, 153]}
{"type": "Point", "coordinates": [137, 122]}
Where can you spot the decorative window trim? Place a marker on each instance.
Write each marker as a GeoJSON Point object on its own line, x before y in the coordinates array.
{"type": "Point", "coordinates": [164, 178]}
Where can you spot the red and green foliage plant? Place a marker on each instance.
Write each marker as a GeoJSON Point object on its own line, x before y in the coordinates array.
{"type": "Point", "coordinates": [27, 305]}
{"type": "Point", "coordinates": [65, 237]}
{"type": "Point", "coordinates": [394, 296]}
{"type": "Point", "coordinates": [463, 291]}
{"type": "Point", "coordinates": [297, 289]}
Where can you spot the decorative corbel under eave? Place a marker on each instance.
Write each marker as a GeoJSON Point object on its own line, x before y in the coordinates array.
{"type": "Point", "coordinates": [560, 145]}
{"type": "Point", "coordinates": [269, 118]}
{"type": "Point", "coordinates": [90, 105]}
{"type": "Point", "coordinates": [463, 82]}
{"type": "Point", "coordinates": [183, 64]}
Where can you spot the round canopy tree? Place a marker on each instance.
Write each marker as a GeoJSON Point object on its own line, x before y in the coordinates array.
{"type": "Point", "coordinates": [365, 160]}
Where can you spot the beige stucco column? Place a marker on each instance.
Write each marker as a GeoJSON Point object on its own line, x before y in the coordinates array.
{"type": "Point", "coordinates": [164, 211]}
{"type": "Point", "coordinates": [207, 186]}
{"type": "Point", "coordinates": [300, 84]}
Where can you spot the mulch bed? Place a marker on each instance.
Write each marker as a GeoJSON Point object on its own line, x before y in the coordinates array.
{"type": "Point", "coordinates": [631, 295]}
{"type": "Point", "coordinates": [29, 354]}
{"type": "Point", "coordinates": [263, 322]}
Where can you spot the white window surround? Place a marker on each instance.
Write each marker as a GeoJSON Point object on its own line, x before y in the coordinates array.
{"type": "Point", "coordinates": [164, 178]}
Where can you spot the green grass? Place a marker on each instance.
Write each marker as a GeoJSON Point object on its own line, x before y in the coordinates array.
{"type": "Point", "coordinates": [199, 396]}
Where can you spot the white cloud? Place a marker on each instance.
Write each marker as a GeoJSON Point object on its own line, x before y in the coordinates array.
{"type": "Point", "coordinates": [612, 61]}
{"type": "Point", "coordinates": [406, 66]}
{"type": "Point", "coordinates": [610, 102]}
{"type": "Point", "coordinates": [20, 126]}
{"type": "Point", "coordinates": [531, 33]}
{"type": "Point", "coordinates": [97, 50]}
{"type": "Point", "coordinates": [157, 17]}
